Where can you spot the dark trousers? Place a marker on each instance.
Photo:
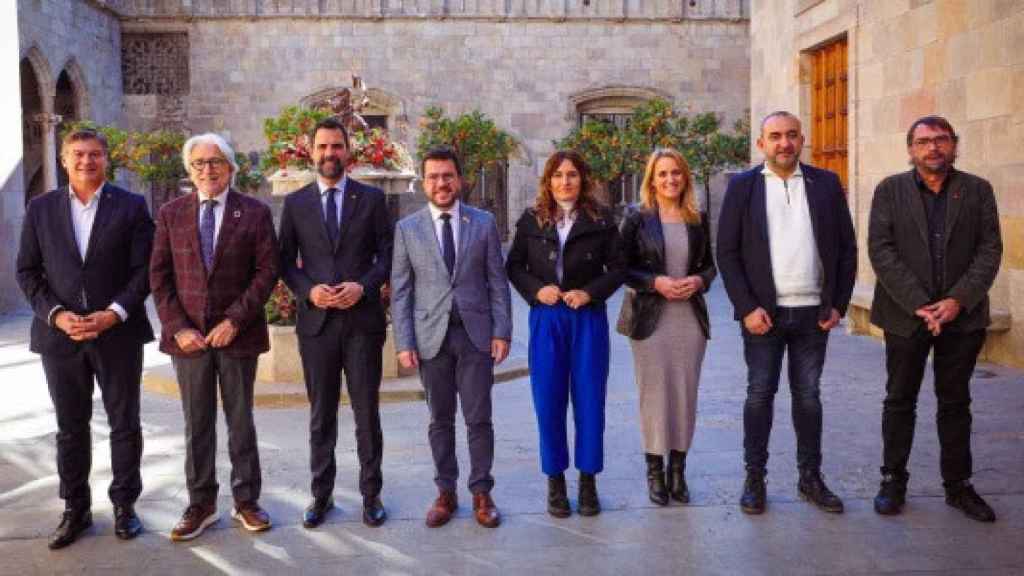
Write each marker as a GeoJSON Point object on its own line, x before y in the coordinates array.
{"type": "Point", "coordinates": [569, 359]}
{"type": "Point", "coordinates": [461, 370]}
{"type": "Point", "coordinates": [324, 357]}
{"type": "Point", "coordinates": [905, 358]}
{"type": "Point", "coordinates": [795, 332]}
{"type": "Point", "coordinates": [198, 379]}
{"type": "Point", "coordinates": [70, 380]}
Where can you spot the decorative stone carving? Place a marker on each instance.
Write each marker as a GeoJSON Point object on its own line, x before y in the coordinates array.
{"type": "Point", "coordinates": [155, 63]}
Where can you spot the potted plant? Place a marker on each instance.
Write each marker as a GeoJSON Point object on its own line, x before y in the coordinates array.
{"type": "Point", "coordinates": [289, 147]}
{"type": "Point", "coordinates": [282, 363]}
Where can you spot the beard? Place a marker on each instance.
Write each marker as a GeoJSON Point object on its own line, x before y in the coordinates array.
{"type": "Point", "coordinates": [330, 167]}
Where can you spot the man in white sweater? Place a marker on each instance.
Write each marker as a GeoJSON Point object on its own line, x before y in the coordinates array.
{"type": "Point", "coordinates": [788, 257]}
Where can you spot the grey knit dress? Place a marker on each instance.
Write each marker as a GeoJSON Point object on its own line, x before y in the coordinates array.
{"type": "Point", "coordinates": [667, 363]}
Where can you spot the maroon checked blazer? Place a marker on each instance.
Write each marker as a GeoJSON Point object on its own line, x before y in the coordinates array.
{"type": "Point", "coordinates": [243, 275]}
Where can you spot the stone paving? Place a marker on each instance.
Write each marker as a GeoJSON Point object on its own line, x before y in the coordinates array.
{"type": "Point", "coordinates": [632, 536]}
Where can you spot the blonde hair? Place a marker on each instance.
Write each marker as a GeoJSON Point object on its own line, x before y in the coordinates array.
{"type": "Point", "coordinates": [687, 200]}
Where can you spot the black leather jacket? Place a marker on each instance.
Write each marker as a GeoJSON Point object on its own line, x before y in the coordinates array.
{"type": "Point", "coordinates": [643, 245]}
{"type": "Point", "coordinates": [591, 259]}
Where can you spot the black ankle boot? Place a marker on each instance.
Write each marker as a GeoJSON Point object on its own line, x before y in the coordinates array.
{"type": "Point", "coordinates": [588, 504]}
{"type": "Point", "coordinates": [676, 478]}
{"type": "Point", "coordinates": [558, 501]}
{"type": "Point", "coordinates": [656, 489]}
{"type": "Point", "coordinates": [754, 493]}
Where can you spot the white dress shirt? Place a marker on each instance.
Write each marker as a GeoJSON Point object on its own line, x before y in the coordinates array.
{"type": "Point", "coordinates": [220, 201]}
{"type": "Point", "coordinates": [435, 214]}
{"type": "Point", "coordinates": [796, 265]}
{"type": "Point", "coordinates": [339, 196]}
{"type": "Point", "coordinates": [563, 226]}
{"type": "Point", "coordinates": [82, 218]}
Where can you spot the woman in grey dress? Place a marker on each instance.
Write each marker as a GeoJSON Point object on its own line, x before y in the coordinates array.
{"type": "Point", "coordinates": [669, 267]}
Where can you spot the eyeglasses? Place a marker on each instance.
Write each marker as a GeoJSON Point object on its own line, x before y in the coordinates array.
{"type": "Point", "coordinates": [940, 141]}
{"type": "Point", "coordinates": [212, 163]}
{"type": "Point", "coordinates": [442, 177]}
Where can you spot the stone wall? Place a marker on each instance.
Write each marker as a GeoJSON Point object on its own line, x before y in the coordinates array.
{"type": "Point", "coordinates": [961, 59]}
{"type": "Point", "coordinates": [12, 190]}
{"type": "Point", "coordinates": [525, 74]}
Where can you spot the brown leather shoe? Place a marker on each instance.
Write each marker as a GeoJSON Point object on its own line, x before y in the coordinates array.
{"type": "Point", "coordinates": [442, 509]}
{"type": "Point", "coordinates": [486, 512]}
{"type": "Point", "coordinates": [195, 519]}
{"type": "Point", "coordinates": [252, 517]}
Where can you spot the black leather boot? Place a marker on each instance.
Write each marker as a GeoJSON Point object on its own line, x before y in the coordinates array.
{"type": "Point", "coordinates": [677, 478]}
{"type": "Point", "coordinates": [558, 500]}
{"type": "Point", "coordinates": [754, 493]}
{"type": "Point", "coordinates": [892, 493]}
{"type": "Point", "coordinates": [656, 489]}
{"type": "Point", "coordinates": [963, 496]}
{"type": "Point", "coordinates": [812, 488]}
{"type": "Point", "coordinates": [588, 503]}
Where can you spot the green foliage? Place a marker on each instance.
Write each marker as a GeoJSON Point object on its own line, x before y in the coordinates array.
{"type": "Point", "coordinates": [288, 142]}
{"type": "Point", "coordinates": [280, 308]}
{"type": "Point", "coordinates": [249, 177]}
{"type": "Point", "coordinates": [613, 151]}
{"type": "Point", "coordinates": [117, 141]}
{"type": "Point", "coordinates": [476, 139]}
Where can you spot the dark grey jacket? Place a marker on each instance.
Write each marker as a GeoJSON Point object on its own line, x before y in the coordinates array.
{"type": "Point", "coordinates": [898, 248]}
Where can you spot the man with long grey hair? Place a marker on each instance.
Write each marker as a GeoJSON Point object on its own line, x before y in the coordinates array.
{"type": "Point", "coordinates": [214, 265]}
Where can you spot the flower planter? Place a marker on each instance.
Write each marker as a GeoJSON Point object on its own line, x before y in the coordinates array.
{"type": "Point", "coordinates": [283, 364]}
{"type": "Point", "coordinates": [284, 182]}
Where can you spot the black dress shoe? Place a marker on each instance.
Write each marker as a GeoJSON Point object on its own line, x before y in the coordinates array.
{"type": "Point", "coordinates": [72, 524]}
{"type": "Point", "coordinates": [317, 511]}
{"type": "Point", "coordinates": [126, 524]}
{"type": "Point", "coordinates": [373, 512]}
{"type": "Point", "coordinates": [754, 493]}
{"type": "Point", "coordinates": [892, 494]}
{"type": "Point", "coordinates": [812, 488]}
{"type": "Point", "coordinates": [962, 495]}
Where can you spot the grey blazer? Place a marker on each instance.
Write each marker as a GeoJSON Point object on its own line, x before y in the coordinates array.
{"type": "Point", "coordinates": [422, 290]}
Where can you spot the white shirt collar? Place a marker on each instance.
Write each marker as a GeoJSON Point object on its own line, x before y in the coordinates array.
{"type": "Point", "coordinates": [218, 199]}
{"type": "Point", "coordinates": [92, 200]}
{"type": "Point", "coordinates": [324, 187]}
{"type": "Point", "coordinates": [798, 173]}
{"type": "Point", "coordinates": [435, 212]}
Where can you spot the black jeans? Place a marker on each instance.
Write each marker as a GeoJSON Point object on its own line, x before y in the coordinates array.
{"type": "Point", "coordinates": [955, 354]}
{"type": "Point", "coordinates": [795, 331]}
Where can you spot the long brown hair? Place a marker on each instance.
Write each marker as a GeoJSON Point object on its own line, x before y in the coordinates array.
{"type": "Point", "coordinates": [687, 200]}
{"type": "Point", "coordinates": [545, 208]}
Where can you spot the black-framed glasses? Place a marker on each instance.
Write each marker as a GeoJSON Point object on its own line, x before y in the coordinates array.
{"type": "Point", "coordinates": [212, 163]}
{"type": "Point", "coordinates": [940, 141]}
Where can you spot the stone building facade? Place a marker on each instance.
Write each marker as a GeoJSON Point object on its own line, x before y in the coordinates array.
{"type": "Point", "coordinates": [961, 59]}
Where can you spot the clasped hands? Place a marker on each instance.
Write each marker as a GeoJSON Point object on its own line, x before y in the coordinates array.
{"type": "Point", "coordinates": [410, 359]}
{"type": "Point", "coordinates": [551, 294]}
{"type": "Point", "coordinates": [191, 340]}
{"type": "Point", "coordinates": [81, 328]}
{"type": "Point", "coordinates": [341, 296]}
{"type": "Point", "coordinates": [758, 322]}
{"type": "Point", "coordinates": [678, 288]}
{"type": "Point", "coordinates": [938, 313]}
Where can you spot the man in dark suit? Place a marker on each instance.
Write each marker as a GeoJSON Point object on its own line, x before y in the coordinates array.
{"type": "Point", "coordinates": [452, 317]}
{"type": "Point", "coordinates": [935, 246]}
{"type": "Point", "coordinates": [83, 264]}
{"type": "Point", "coordinates": [788, 258]}
{"type": "Point", "coordinates": [345, 259]}
{"type": "Point", "coordinates": [213, 267]}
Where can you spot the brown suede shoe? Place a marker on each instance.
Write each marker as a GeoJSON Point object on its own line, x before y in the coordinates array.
{"type": "Point", "coordinates": [252, 517]}
{"type": "Point", "coordinates": [442, 509]}
{"type": "Point", "coordinates": [486, 512]}
{"type": "Point", "coordinates": [195, 519]}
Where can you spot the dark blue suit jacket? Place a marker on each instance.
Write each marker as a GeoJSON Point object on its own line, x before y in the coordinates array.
{"type": "Point", "coordinates": [51, 271]}
{"type": "Point", "coordinates": [743, 250]}
{"type": "Point", "coordinates": [361, 254]}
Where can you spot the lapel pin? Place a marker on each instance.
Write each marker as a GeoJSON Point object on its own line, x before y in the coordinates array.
{"type": "Point", "coordinates": [238, 214]}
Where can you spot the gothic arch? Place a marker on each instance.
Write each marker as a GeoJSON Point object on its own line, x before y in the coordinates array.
{"type": "Point", "coordinates": [44, 77]}
{"type": "Point", "coordinates": [611, 99]}
{"type": "Point", "coordinates": [81, 88]}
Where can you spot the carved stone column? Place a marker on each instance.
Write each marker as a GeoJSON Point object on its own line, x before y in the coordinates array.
{"type": "Point", "coordinates": [48, 125]}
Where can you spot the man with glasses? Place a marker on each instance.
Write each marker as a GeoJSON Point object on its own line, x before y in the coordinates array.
{"type": "Point", "coordinates": [213, 267]}
{"type": "Point", "coordinates": [935, 246]}
{"type": "Point", "coordinates": [83, 265]}
{"type": "Point", "coordinates": [452, 316]}
{"type": "Point", "coordinates": [336, 265]}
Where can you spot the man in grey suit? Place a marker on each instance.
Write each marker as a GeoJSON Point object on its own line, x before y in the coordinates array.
{"type": "Point", "coordinates": [452, 317]}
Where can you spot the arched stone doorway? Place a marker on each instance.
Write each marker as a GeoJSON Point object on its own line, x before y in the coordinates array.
{"type": "Point", "coordinates": [32, 131]}
{"type": "Point", "coordinates": [65, 105]}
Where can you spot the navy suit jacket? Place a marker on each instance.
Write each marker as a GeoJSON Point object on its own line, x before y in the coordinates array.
{"type": "Point", "coordinates": [744, 259]}
{"type": "Point", "coordinates": [51, 271]}
{"type": "Point", "coordinates": [362, 253]}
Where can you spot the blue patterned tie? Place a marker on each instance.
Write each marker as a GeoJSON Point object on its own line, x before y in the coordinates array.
{"type": "Point", "coordinates": [331, 216]}
{"type": "Point", "coordinates": [207, 225]}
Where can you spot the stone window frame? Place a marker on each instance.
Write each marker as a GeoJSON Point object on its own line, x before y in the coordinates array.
{"type": "Point", "coordinates": [166, 71]}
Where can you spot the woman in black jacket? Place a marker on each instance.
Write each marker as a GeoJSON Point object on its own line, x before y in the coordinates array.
{"type": "Point", "coordinates": [669, 267]}
{"type": "Point", "coordinates": [565, 261]}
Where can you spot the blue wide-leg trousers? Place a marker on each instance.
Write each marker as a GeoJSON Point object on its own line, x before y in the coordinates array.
{"type": "Point", "coordinates": [569, 360]}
